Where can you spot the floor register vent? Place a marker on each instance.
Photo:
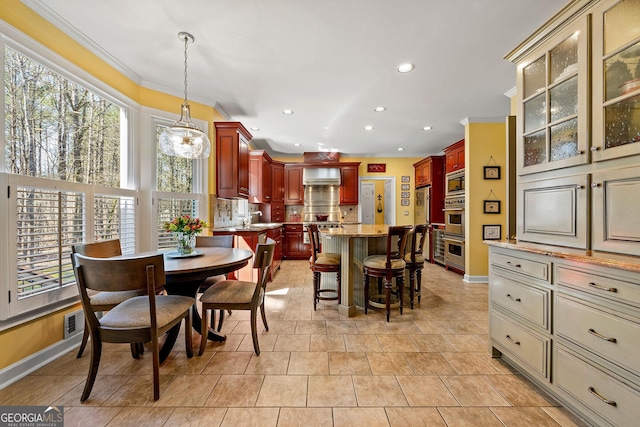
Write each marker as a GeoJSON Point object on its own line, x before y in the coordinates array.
{"type": "Point", "coordinates": [73, 323]}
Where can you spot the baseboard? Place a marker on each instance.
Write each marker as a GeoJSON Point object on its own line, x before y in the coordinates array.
{"type": "Point", "coordinates": [475, 279]}
{"type": "Point", "coordinates": [24, 367]}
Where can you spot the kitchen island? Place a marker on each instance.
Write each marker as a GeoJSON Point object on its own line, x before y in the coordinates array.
{"type": "Point", "coordinates": [354, 243]}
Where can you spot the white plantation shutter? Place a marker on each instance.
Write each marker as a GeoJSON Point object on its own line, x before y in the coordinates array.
{"type": "Point", "coordinates": [115, 218]}
{"type": "Point", "coordinates": [168, 208]}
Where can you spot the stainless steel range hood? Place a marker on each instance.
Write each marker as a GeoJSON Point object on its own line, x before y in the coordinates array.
{"type": "Point", "coordinates": [321, 176]}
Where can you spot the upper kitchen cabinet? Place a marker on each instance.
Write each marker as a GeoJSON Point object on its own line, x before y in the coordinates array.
{"type": "Point", "coordinates": [293, 188]}
{"type": "Point", "coordinates": [616, 78]}
{"type": "Point", "coordinates": [277, 176]}
{"type": "Point", "coordinates": [454, 156]}
{"type": "Point", "coordinates": [349, 184]}
{"type": "Point", "coordinates": [429, 171]}
{"type": "Point", "coordinates": [232, 160]}
{"type": "Point", "coordinates": [260, 185]}
{"type": "Point", "coordinates": [553, 102]}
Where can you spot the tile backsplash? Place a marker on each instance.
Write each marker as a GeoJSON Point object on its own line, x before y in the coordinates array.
{"type": "Point", "coordinates": [229, 212]}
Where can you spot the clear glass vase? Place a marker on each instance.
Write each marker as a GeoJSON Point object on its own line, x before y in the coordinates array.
{"type": "Point", "coordinates": [186, 243]}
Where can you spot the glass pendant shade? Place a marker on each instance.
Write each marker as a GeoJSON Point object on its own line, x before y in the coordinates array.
{"type": "Point", "coordinates": [184, 139]}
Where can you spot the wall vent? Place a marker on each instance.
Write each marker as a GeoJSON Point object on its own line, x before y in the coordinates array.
{"type": "Point", "coordinates": [73, 323]}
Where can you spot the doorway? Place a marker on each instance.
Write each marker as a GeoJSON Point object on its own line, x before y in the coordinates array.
{"type": "Point", "coordinates": [369, 199]}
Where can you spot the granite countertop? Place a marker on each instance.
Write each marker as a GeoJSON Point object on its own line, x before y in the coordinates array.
{"type": "Point", "coordinates": [605, 259]}
{"type": "Point", "coordinates": [356, 230]}
{"type": "Point", "coordinates": [257, 227]}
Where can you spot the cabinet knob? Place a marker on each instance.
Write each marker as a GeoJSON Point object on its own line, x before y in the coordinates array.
{"type": "Point", "coordinates": [513, 265]}
{"type": "Point", "coordinates": [595, 184]}
{"type": "Point", "coordinates": [580, 186]}
{"type": "Point", "coordinates": [580, 152]}
{"type": "Point", "coordinates": [594, 148]}
{"type": "Point", "coordinates": [516, 342]}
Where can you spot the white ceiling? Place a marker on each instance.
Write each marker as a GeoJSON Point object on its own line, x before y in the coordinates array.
{"type": "Point", "coordinates": [330, 61]}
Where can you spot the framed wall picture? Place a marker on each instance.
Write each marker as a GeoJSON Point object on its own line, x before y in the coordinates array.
{"type": "Point", "coordinates": [404, 202]}
{"type": "Point", "coordinates": [492, 206]}
{"type": "Point", "coordinates": [405, 178]}
{"type": "Point", "coordinates": [491, 232]}
{"type": "Point", "coordinates": [492, 172]}
{"type": "Point", "coordinates": [405, 187]}
{"type": "Point", "coordinates": [405, 194]}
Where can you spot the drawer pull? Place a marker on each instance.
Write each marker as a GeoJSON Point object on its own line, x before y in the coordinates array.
{"type": "Point", "coordinates": [602, 288]}
{"type": "Point", "coordinates": [516, 342]}
{"type": "Point", "coordinates": [513, 298]}
{"type": "Point", "coordinates": [602, 337]}
{"type": "Point", "coordinates": [596, 394]}
{"type": "Point", "coordinates": [513, 265]}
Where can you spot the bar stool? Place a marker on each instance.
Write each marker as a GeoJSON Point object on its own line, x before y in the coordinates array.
{"type": "Point", "coordinates": [415, 259]}
{"type": "Point", "coordinates": [387, 267]}
{"type": "Point", "coordinates": [323, 262]}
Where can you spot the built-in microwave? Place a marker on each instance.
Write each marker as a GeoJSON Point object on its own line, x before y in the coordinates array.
{"type": "Point", "coordinates": [454, 182]}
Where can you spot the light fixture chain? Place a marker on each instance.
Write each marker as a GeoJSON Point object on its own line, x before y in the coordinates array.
{"type": "Point", "coordinates": [186, 45]}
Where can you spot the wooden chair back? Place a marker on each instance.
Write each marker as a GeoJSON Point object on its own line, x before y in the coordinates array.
{"type": "Point", "coordinates": [120, 274]}
{"type": "Point", "coordinates": [314, 239]}
{"type": "Point", "coordinates": [219, 241]}
{"type": "Point", "coordinates": [418, 237]}
{"type": "Point", "coordinates": [396, 242]}
{"type": "Point", "coordinates": [101, 249]}
{"type": "Point", "coordinates": [262, 261]}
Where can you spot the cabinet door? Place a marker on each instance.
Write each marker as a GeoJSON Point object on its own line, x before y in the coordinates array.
{"type": "Point", "coordinates": [349, 186]}
{"type": "Point", "coordinates": [277, 190]}
{"type": "Point", "coordinates": [293, 188]}
{"type": "Point", "coordinates": [615, 199]}
{"type": "Point", "coordinates": [232, 160]}
{"type": "Point", "coordinates": [554, 211]}
{"type": "Point", "coordinates": [553, 103]}
{"type": "Point", "coordinates": [243, 166]}
{"type": "Point", "coordinates": [454, 157]}
{"type": "Point", "coordinates": [616, 73]}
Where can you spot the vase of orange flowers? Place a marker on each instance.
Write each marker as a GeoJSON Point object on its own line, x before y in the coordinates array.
{"type": "Point", "coordinates": [185, 228]}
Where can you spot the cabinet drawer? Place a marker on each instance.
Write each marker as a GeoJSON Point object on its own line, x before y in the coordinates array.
{"type": "Point", "coordinates": [606, 287]}
{"type": "Point", "coordinates": [539, 270]}
{"type": "Point", "coordinates": [526, 301]}
{"type": "Point", "coordinates": [530, 348]}
{"type": "Point", "coordinates": [611, 337]}
{"type": "Point", "coordinates": [582, 381]}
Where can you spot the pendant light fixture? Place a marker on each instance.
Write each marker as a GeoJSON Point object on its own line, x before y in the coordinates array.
{"type": "Point", "coordinates": [184, 138]}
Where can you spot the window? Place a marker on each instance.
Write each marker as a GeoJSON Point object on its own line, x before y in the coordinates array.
{"type": "Point", "coordinates": [175, 184]}
{"type": "Point", "coordinates": [62, 156]}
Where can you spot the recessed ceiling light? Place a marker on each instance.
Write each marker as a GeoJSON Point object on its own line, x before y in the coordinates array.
{"type": "Point", "coordinates": [405, 68]}
{"type": "Point", "coordinates": [297, 144]}
{"type": "Point", "coordinates": [368, 127]}
{"type": "Point", "coordinates": [427, 128]}
{"type": "Point", "coordinates": [380, 109]}
{"type": "Point", "coordinates": [400, 149]}
{"type": "Point", "coordinates": [287, 112]}
{"type": "Point", "coordinates": [255, 129]}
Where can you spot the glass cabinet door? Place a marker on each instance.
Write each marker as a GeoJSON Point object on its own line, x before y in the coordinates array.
{"type": "Point", "coordinates": [616, 79]}
{"type": "Point", "coordinates": [554, 116]}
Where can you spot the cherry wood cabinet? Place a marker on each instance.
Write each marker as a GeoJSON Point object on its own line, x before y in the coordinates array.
{"type": "Point", "coordinates": [232, 160]}
{"type": "Point", "coordinates": [260, 185]}
{"type": "Point", "coordinates": [294, 246]}
{"type": "Point", "coordinates": [349, 184]}
{"type": "Point", "coordinates": [277, 177]}
{"type": "Point", "coordinates": [454, 156]}
{"type": "Point", "coordinates": [293, 188]}
{"type": "Point", "coordinates": [276, 235]}
{"type": "Point", "coordinates": [430, 171]}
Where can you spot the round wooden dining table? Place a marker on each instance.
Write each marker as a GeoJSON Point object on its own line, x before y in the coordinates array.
{"type": "Point", "coordinates": [185, 274]}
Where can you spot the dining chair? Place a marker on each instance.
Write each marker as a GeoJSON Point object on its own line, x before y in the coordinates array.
{"type": "Point", "coordinates": [323, 262]}
{"type": "Point", "coordinates": [415, 259]}
{"type": "Point", "coordinates": [104, 301]}
{"type": "Point", "coordinates": [140, 319]}
{"type": "Point", "coordinates": [241, 295]}
{"type": "Point", "coordinates": [224, 241]}
{"type": "Point", "coordinates": [387, 267]}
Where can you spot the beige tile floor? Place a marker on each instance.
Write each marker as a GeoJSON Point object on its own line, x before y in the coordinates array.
{"type": "Point", "coordinates": [428, 367]}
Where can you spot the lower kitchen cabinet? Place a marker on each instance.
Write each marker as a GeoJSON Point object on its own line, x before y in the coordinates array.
{"type": "Point", "coordinates": [570, 321]}
{"type": "Point", "coordinates": [276, 235]}
{"type": "Point", "coordinates": [294, 242]}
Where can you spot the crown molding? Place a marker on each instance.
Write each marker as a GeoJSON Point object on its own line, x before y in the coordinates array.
{"type": "Point", "coordinates": [47, 13]}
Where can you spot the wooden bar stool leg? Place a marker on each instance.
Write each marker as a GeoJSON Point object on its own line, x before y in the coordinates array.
{"type": "Point", "coordinates": [387, 302]}
{"type": "Point", "coordinates": [366, 292]}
